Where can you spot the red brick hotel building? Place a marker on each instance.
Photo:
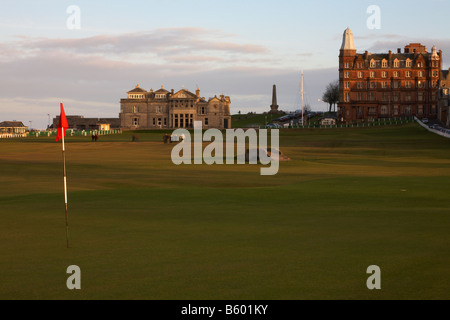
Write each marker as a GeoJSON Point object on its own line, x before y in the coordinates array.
{"type": "Point", "coordinates": [387, 85]}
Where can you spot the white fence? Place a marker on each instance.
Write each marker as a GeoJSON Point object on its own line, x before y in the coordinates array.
{"type": "Point", "coordinates": [12, 135]}
{"type": "Point", "coordinates": [439, 132]}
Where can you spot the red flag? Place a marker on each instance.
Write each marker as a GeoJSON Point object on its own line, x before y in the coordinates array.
{"type": "Point", "coordinates": [62, 125]}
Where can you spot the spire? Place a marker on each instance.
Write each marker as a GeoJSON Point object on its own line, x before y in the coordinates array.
{"type": "Point", "coordinates": [347, 40]}
{"type": "Point", "coordinates": [434, 54]}
{"type": "Point", "coordinates": [274, 106]}
{"type": "Point", "coordinates": [274, 95]}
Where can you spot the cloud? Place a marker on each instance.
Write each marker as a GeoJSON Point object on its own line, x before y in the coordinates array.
{"type": "Point", "coordinates": [160, 43]}
{"type": "Point", "coordinates": [90, 75]}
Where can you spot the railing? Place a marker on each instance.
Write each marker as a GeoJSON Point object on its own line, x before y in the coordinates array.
{"type": "Point", "coordinates": [12, 135]}
{"type": "Point", "coordinates": [75, 133]}
{"type": "Point", "coordinates": [374, 123]}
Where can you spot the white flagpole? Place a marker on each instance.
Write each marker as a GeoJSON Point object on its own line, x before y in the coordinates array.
{"type": "Point", "coordinates": [65, 187]}
{"type": "Point", "coordinates": [301, 92]}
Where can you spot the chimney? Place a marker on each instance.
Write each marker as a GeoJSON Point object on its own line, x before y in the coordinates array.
{"type": "Point", "coordinates": [366, 54]}
{"type": "Point", "coordinates": [172, 91]}
{"type": "Point", "coordinates": [390, 54]}
{"type": "Point", "coordinates": [399, 50]}
{"type": "Point", "coordinates": [197, 92]}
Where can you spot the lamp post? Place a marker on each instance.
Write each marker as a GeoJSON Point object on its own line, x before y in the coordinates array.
{"type": "Point", "coordinates": [48, 128]}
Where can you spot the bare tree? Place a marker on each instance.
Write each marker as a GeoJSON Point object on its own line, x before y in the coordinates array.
{"type": "Point", "coordinates": [331, 94]}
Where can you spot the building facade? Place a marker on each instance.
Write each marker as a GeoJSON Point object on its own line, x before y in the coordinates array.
{"type": "Point", "coordinates": [82, 123]}
{"type": "Point", "coordinates": [387, 85]}
{"type": "Point", "coordinates": [12, 128]}
{"type": "Point", "coordinates": [164, 109]}
{"type": "Point", "coordinates": [444, 97]}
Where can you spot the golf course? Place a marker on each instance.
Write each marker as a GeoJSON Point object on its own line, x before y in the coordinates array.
{"type": "Point", "coordinates": [141, 227]}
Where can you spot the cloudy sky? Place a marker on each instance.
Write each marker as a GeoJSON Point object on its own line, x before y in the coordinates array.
{"type": "Point", "coordinates": [237, 48]}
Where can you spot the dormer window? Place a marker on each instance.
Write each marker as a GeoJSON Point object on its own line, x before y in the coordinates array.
{"type": "Point", "coordinates": [373, 63]}
{"type": "Point", "coordinates": [160, 96]}
{"type": "Point", "coordinates": [396, 63]}
{"type": "Point", "coordinates": [408, 63]}
{"type": "Point", "coordinates": [384, 63]}
{"type": "Point", "coordinates": [419, 64]}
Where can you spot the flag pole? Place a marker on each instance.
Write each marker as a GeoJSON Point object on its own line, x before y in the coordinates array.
{"type": "Point", "coordinates": [65, 189]}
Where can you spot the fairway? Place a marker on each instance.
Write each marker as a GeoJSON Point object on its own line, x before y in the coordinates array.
{"type": "Point", "coordinates": [144, 228]}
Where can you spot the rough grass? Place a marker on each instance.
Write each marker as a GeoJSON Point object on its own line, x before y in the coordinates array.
{"type": "Point", "coordinates": [143, 228]}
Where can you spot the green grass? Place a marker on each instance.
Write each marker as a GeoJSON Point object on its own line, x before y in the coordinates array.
{"type": "Point", "coordinates": [252, 120]}
{"type": "Point", "coordinates": [143, 228]}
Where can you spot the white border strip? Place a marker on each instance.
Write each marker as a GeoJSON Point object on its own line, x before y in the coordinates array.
{"type": "Point", "coordinates": [443, 134]}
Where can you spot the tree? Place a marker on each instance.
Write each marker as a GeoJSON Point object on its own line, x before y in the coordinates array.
{"type": "Point", "coordinates": [307, 108]}
{"type": "Point", "coordinates": [331, 94]}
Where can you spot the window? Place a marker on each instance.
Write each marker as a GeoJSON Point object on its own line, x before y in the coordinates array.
{"type": "Point", "coordinates": [395, 95]}
{"type": "Point", "coordinates": [408, 110]}
{"type": "Point", "coordinates": [346, 85]}
{"type": "Point", "coordinates": [373, 64]}
{"type": "Point", "coordinates": [396, 74]}
{"type": "Point", "coordinates": [408, 84]}
{"type": "Point", "coordinates": [360, 96]}
{"type": "Point", "coordinates": [419, 64]}
{"type": "Point", "coordinates": [360, 74]}
{"type": "Point", "coordinates": [384, 96]}
{"type": "Point", "coordinates": [408, 74]}
{"type": "Point", "coordinates": [160, 96]}
{"type": "Point", "coordinates": [165, 121]}
{"type": "Point", "coordinates": [154, 121]}
{"type": "Point", "coordinates": [384, 63]}
{"type": "Point", "coordinates": [396, 84]}
{"type": "Point", "coordinates": [372, 111]}
{"type": "Point", "coordinates": [433, 96]}
{"type": "Point", "coordinates": [435, 73]}
{"type": "Point", "coordinates": [159, 122]}
{"type": "Point", "coordinates": [373, 96]}
{"type": "Point", "coordinates": [359, 65]}
{"type": "Point", "coordinates": [433, 109]}
{"type": "Point", "coordinates": [206, 121]}
{"type": "Point", "coordinates": [420, 73]}
{"type": "Point", "coordinates": [159, 109]}
{"type": "Point", "coordinates": [408, 96]}
{"type": "Point", "coordinates": [346, 65]}
{"type": "Point", "coordinates": [395, 110]}
{"type": "Point", "coordinates": [346, 97]}
{"type": "Point", "coordinates": [135, 109]}
{"type": "Point", "coordinates": [384, 110]}
{"type": "Point", "coordinates": [420, 96]}
{"type": "Point", "coordinates": [408, 63]}
{"type": "Point", "coordinates": [420, 110]}
{"type": "Point", "coordinates": [360, 85]}
{"type": "Point", "coordinates": [384, 74]}
{"type": "Point", "coordinates": [346, 74]}
{"type": "Point", "coordinates": [396, 63]}
{"type": "Point", "coordinates": [372, 74]}
{"type": "Point", "coordinates": [135, 122]}
{"type": "Point", "coordinates": [384, 84]}
{"type": "Point", "coordinates": [433, 84]}
{"type": "Point", "coordinates": [420, 84]}
{"type": "Point", "coordinates": [202, 111]}
{"type": "Point", "coordinates": [373, 85]}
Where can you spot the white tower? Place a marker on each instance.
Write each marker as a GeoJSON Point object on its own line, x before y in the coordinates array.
{"type": "Point", "coordinates": [347, 40]}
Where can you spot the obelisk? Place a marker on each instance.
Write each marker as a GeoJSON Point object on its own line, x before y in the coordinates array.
{"type": "Point", "coordinates": [274, 106]}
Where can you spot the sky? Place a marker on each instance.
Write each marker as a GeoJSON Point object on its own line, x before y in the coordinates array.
{"type": "Point", "coordinates": [49, 54]}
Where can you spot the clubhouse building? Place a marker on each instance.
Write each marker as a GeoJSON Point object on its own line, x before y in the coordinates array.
{"type": "Point", "coordinates": [162, 109]}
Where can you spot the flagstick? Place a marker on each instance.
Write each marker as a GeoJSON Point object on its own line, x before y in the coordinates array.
{"type": "Point", "coordinates": [65, 188]}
